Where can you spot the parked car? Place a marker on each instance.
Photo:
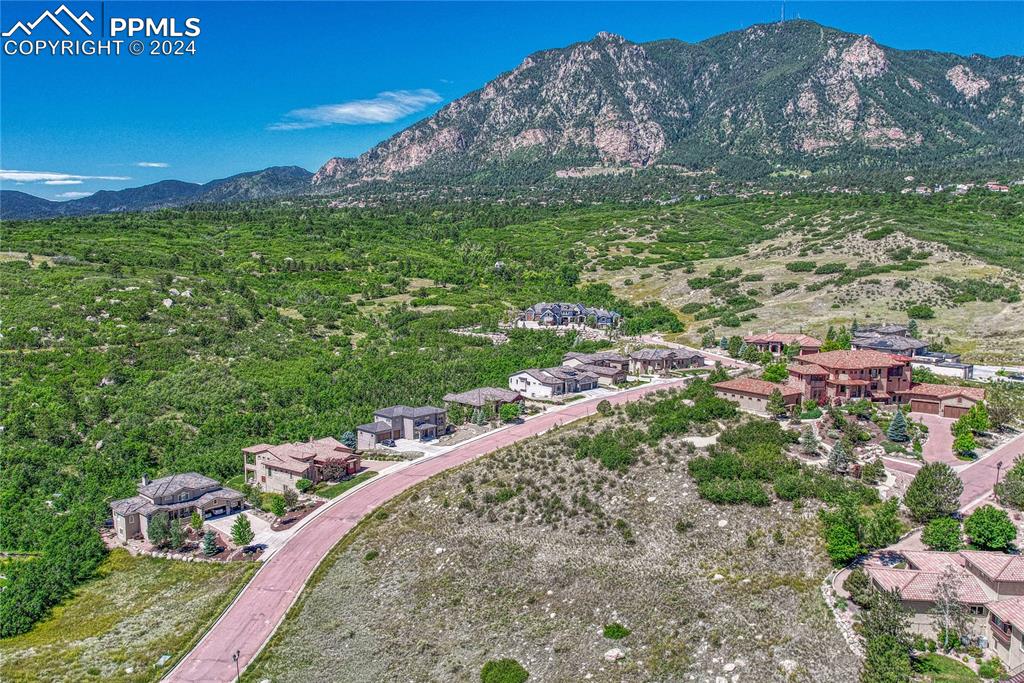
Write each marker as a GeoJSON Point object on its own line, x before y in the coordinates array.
{"type": "Point", "coordinates": [390, 443]}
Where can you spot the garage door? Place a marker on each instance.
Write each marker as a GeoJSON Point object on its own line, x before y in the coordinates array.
{"type": "Point", "coordinates": [953, 411]}
{"type": "Point", "coordinates": [924, 407]}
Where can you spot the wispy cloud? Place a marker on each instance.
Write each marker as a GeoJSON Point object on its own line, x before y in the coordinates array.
{"type": "Point", "coordinates": [50, 178]}
{"type": "Point", "coordinates": [73, 195]}
{"type": "Point", "coordinates": [386, 107]}
{"type": "Point", "coordinates": [152, 164]}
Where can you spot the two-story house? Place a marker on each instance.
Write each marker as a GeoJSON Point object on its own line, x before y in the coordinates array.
{"type": "Point", "coordinates": [841, 376]}
{"type": "Point", "coordinates": [776, 342]}
{"type": "Point", "coordinates": [402, 422]}
{"type": "Point", "coordinates": [662, 361]}
{"type": "Point", "coordinates": [276, 468]}
{"type": "Point", "coordinates": [176, 496]}
{"type": "Point", "coordinates": [571, 314]}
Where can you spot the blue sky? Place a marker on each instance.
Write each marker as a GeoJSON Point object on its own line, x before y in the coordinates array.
{"type": "Point", "coordinates": [297, 83]}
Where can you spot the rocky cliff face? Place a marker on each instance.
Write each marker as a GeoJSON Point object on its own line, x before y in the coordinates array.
{"type": "Point", "coordinates": [792, 93]}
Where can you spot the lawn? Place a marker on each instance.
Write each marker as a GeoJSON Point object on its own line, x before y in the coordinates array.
{"type": "Point", "coordinates": [936, 668]}
{"type": "Point", "coordinates": [236, 482]}
{"type": "Point", "coordinates": [118, 625]}
{"type": "Point", "coordinates": [335, 490]}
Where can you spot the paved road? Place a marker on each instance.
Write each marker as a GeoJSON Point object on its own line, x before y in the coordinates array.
{"type": "Point", "coordinates": [980, 477]}
{"type": "Point", "coordinates": [250, 621]}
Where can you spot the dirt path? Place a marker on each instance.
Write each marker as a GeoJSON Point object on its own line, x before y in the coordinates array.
{"type": "Point", "coordinates": [261, 606]}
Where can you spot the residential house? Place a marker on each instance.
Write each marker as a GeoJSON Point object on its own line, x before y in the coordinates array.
{"type": "Point", "coordinates": [488, 399]}
{"type": "Point", "coordinates": [942, 399]}
{"type": "Point", "coordinates": [901, 344]}
{"type": "Point", "coordinates": [989, 584]}
{"type": "Point", "coordinates": [402, 422]}
{"type": "Point", "coordinates": [609, 367]}
{"type": "Point", "coordinates": [890, 338]}
{"type": "Point", "coordinates": [996, 187]}
{"type": "Point", "coordinates": [550, 382]}
{"type": "Point", "coordinates": [851, 375]}
{"type": "Point", "coordinates": [571, 314]}
{"type": "Point", "coordinates": [663, 361]}
{"type": "Point", "coordinates": [777, 342]}
{"type": "Point", "coordinates": [753, 394]}
{"type": "Point", "coordinates": [275, 468]}
{"type": "Point", "coordinates": [177, 496]}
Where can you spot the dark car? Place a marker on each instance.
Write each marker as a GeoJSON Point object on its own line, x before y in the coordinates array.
{"type": "Point", "coordinates": [390, 443]}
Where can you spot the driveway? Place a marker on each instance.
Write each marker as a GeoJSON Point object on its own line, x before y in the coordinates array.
{"type": "Point", "coordinates": [262, 534]}
{"type": "Point", "coordinates": [979, 477]}
{"type": "Point", "coordinates": [939, 446]}
{"type": "Point", "coordinates": [253, 617]}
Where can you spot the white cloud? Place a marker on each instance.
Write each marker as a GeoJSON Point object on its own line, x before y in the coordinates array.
{"type": "Point", "coordinates": [386, 107]}
{"type": "Point", "coordinates": [73, 195]}
{"type": "Point", "coordinates": [50, 178]}
{"type": "Point", "coordinates": [152, 164]}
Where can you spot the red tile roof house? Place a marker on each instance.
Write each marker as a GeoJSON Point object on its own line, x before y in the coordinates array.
{"type": "Point", "coordinates": [176, 496]}
{"type": "Point", "coordinates": [753, 394]}
{"type": "Point", "coordinates": [841, 376]}
{"type": "Point", "coordinates": [992, 587]}
{"type": "Point", "coordinates": [402, 422]}
{"type": "Point", "coordinates": [777, 342]}
{"type": "Point", "coordinates": [275, 468]}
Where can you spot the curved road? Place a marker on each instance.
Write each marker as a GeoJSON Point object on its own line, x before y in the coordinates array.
{"type": "Point", "coordinates": [255, 614]}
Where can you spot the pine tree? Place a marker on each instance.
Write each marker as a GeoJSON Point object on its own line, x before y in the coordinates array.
{"type": "Point", "coordinates": [209, 543]}
{"type": "Point", "coordinates": [349, 439]}
{"type": "Point", "coordinates": [838, 458]}
{"type": "Point", "coordinates": [241, 530]}
{"type": "Point", "coordinates": [196, 522]}
{"type": "Point", "coordinates": [177, 534]}
{"type": "Point", "coordinates": [897, 428]}
{"type": "Point", "coordinates": [912, 329]}
{"type": "Point", "coordinates": [776, 405]}
{"type": "Point", "coordinates": [808, 441]}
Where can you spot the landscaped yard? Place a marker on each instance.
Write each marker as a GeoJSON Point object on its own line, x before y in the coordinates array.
{"type": "Point", "coordinates": [117, 626]}
{"type": "Point", "coordinates": [335, 490]}
{"type": "Point", "coordinates": [936, 668]}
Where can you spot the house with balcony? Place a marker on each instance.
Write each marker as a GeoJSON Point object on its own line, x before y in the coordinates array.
{"type": "Point", "coordinates": [272, 469]}
{"type": "Point", "coordinates": [403, 422]}
{"type": "Point", "coordinates": [840, 376]}
{"type": "Point", "coordinates": [176, 496]}
{"type": "Point", "coordinates": [776, 343]}
{"type": "Point", "coordinates": [989, 584]}
{"type": "Point", "coordinates": [551, 382]}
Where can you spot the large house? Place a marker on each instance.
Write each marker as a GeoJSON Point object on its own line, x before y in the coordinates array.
{"type": "Point", "coordinates": [841, 376]}
{"type": "Point", "coordinates": [571, 314]}
{"type": "Point", "coordinates": [609, 367]}
{"type": "Point", "coordinates": [899, 343]}
{"type": "Point", "coordinates": [177, 496]}
{"type": "Point", "coordinates": [549, 382]}
{"type": "Point", "coordinates": [777, 342]}
{"type": "Point", "coordinates": [402, 422]}
{"type": "Point", "coordinates": [275, 468]}
{"type": "Point", "coordinates": [662, 361]}
{"type": "Point", "coordinates": [989, 584]}
{"type": "Point", "coordinates": [753, 394]}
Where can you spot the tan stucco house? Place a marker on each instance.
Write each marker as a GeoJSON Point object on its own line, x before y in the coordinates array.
{"type": "Point", "coordinates": [177, 496]}
{"type": "Point", "coordinates": [275, 468]}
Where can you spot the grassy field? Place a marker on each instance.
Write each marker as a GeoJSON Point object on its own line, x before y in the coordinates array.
{"type": "Point", "coordinates": [118, 625]}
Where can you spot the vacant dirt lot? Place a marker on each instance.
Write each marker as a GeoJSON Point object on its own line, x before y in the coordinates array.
{"type": "Point", "coordinates": [530, 553]}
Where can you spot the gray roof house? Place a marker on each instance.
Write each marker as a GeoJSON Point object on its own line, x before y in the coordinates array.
{"type": "Point", "coordinates": [402, 422]}
{"type": "Point", "coordinates": [177, 496]}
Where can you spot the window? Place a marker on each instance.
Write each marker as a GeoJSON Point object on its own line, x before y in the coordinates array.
{"type": "Point", "coordinates": [182, 497]}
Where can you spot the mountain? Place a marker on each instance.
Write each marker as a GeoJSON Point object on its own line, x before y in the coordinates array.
{"type": "Point", "coordinates": [270, 182]}
{"type": "Point", "coordinates": [775, 97]}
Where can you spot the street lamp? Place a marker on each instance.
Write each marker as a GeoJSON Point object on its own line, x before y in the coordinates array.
{"type": "Point", "coordinates": [999, 466]}
{"type": "Point", "coordinates": [238, 673]}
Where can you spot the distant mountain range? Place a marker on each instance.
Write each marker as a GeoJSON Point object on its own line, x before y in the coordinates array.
{"type": "Point", "coordinates": [270, 182]}
{"type": "Point", "coordinates": [773, 99]}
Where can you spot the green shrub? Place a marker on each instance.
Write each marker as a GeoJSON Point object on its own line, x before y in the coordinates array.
{"type": "Point", "coordinates": [734, 492]}
{"type": "Point", "coordinates": [920, 311]}
{"type": "Point", "coordinates": [992, 668]}
{"type": "Point", "coordinates": [616, 631]}
{"type": "Point", "coordinates": [503, 671]}
{"type": "Point", "coordinates": [830, 268]}
{"type": "Point", "coordinates": [800, 266]}
{"type": "Point", "coordinates": [942, 533]}
{"type": "Point", "coordinates": [990, 528]}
